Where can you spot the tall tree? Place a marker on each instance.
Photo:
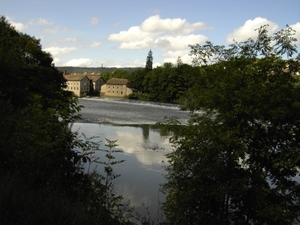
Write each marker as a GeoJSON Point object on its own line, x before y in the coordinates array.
{"type": "Point", "coordinates": [149, 61]}
{"type": "Point", "coordinates": [238, 161]}
{"type": "Point", "coordinates": [39, 158]}
{"type": "Point", "coordinates": [37, 109]}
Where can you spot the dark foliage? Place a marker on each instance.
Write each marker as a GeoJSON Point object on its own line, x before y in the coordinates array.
{"type": "Point", "coordinates": [42, 180]}
{"type": "Point", "coordinates": [238, 161]}
{"type": "Point", "coordinates": [149, 61]}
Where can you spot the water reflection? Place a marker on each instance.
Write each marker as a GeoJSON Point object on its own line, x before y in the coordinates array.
{"type": "Point", "coordinates": [144, 149]}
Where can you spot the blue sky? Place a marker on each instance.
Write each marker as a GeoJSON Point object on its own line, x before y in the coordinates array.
{"type": "Point", "coordinates": [120, 33]}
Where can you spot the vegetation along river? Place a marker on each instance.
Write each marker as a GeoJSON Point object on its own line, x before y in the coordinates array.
{"type": "Point", "coordinates": [143, 145]}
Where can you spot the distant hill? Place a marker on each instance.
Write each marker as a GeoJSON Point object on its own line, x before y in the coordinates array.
{"type": "Point", "coordinates": [95, 70]}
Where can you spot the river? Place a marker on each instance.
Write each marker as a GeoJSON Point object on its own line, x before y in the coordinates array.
{"type": "Point", "coordinates": [124, 111]}
{"type": "Point", "coordinates": [144, 146]}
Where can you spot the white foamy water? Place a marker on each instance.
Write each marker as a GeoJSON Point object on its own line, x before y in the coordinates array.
{"type": "Point", "coordinates": [124, 111]}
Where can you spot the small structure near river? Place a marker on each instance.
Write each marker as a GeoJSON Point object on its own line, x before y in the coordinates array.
{"type": "Point", "coordinates": [116, 87]}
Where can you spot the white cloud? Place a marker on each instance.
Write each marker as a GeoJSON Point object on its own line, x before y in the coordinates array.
{"type": "Point", "coordinates": [23, 26]}
{"type": "Point", "coordinates": [39, 22]}
{"type": "Point", "coordinates": [56, 61]}
{"type": "Point", "coordinates": [296, 27]}
{"type": "Point", "coordinates": [171, 35]}
{"type": "Point", "coordinates": [55, 30]}
{"type": "Point", "coordinates": [95, 44]}
{"type": "Point", "coordinates": [57, 51]}
{"type": "Point", "coordinates": [146, 43]}
{"type": "Point", "coordinates": [166, 34]}
{"type": "Point", "coordinates": [178, 42]}
{"type": "Point", "coordinates": [94, 21]}
{"type": "Point", "coordinates": [79, 62]}
{"type": "Point", "coordinates": [120, 64]}
{"type": "Point", "coordinates": [155, 24]}
{"type": "Point", "coordinates": [71, 40]}
{"type": "Point", "coordinates": [138, 63]}
{"type": "Point", "coordinates": [68, 40]}
{"type": "Point", "coordinates": [156, 64]}
{"type": "Point", "coordinates": [145, 159]}
{"type": "Point", "coordinates": [18, 26]}
{"type": "Point", "coordinates": [247, 31]}
{"type": "Point", "coordinates": [176, 46]}
{"type": "Point", "coordinates": [172, 56]}
{"type": "Point", "coordinates": [133, 33]}
{"type": "Point", "coordinates": [51, 30]}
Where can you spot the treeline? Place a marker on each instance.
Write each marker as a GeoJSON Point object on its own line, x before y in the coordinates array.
{"type": "Point", "coordinates": [166, 83]}
{"type": "Point", "coordinates": [94, 70]}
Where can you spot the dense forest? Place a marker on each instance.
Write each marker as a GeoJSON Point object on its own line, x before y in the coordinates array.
{"type": "Point", "coordinates": [237, 163]}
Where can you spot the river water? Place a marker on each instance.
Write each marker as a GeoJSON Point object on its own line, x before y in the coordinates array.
{"type": "Point", "coordinates": [143, 145]}
{"type": "Point", "coordinates": [124, 111]}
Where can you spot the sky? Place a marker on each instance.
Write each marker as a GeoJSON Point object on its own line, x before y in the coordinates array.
{"type": "Point", "coordinates": [120, 33]}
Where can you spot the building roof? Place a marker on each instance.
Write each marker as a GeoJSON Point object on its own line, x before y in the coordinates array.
{"type": "Point", "coordinates": [76, 77]}
{"type": "Point", "coordinates": [94, 77]}
{"type": "Point", "coordinates": [118, 81]}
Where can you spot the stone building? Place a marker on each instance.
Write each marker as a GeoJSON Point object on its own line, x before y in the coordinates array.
{"type": "Point", "coordinates": [79, 84]}
{"type": "Point", "coordinates": [96, 82]}
{"type": "Point", "coordinates": [116, 87]}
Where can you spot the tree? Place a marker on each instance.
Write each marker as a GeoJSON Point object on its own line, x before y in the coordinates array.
{"type": "Point", "coordinates": [184, 81]}
{"type": "Point", "coordinates": [160, 83]}
{"type": "Point", "coordinates": [169, 83]}
{"type": "Point", "coordinates": [149, 61]}
{"type": "Point", "coordinates": [41, 170]}
{"type": "Point", "coordinates": [25, 68]}
{"type": "Point", "coordinates": [237, 162]}
{"type": "Point", "coordinates": [137, 77]}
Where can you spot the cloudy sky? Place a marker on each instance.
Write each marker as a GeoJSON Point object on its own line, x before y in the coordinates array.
{"type": "Point", "coordinates": [120, 33]}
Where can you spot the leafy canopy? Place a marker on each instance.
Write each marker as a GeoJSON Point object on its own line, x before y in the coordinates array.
{"type": "Point", "coordinates": [41, 167]}
{"type": "Point", "coordinates": [238, 160]}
